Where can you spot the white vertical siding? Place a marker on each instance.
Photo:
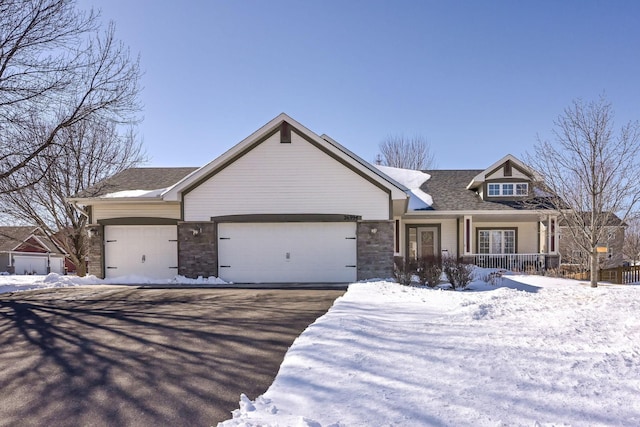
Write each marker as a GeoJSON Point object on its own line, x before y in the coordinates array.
{"type": "Point", "coordinates": [126, 210]}
{"type": "Point", "coordinates": [295, 178]}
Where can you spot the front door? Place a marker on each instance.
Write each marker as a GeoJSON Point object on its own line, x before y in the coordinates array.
{"type": "Point", "coordinates": [427, 242]}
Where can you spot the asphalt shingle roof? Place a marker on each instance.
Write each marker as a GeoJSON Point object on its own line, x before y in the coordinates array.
{"type": "Point", "coordinates": [12, 236]}
{"type": "Point", "coordinates": [448, 188]}
{"type": "Point", "coordinates": [137, 179]}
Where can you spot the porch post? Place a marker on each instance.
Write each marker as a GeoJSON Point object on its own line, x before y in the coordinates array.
{"type": "Point", "coordinates": [467, 235]}
{"type": "Point", "coordinates": [552, 235]}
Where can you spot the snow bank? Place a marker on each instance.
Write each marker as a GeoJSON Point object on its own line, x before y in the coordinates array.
{"type": "Point", "coordinates": [385, 354]}
{"type": "Point", "coordinates": [134, 194]}
{"type": "Point", "coordinates": [15, 283]}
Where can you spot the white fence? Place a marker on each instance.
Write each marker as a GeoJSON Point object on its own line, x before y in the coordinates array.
{"type": "Point", "coordinates": [514, 262]}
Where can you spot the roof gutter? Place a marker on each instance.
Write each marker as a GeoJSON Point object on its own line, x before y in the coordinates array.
{"type": "Point", "coordinates": [481, 212]}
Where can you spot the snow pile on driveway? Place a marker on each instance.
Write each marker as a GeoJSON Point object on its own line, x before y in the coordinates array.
{"type": "Point", "coordinates": [15, 283]}
{"type": "Point", "coordinates": [385, 354]}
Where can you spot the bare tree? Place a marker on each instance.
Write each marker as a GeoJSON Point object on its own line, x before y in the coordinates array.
{"type": "Point", "coordinates": [57, 68]}
{"type": "Point", "coordinates": [631, 247]}
{"type": "Point", "coordinates": [86, 153]}
{"type": "Point", "coordinates": [399, 151]}
{"type": "Point", "coordinates": [591, 174]}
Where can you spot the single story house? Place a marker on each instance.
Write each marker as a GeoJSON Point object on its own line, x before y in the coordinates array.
{"type": "Point", "coordinates": [26, 250]}
{"type": "Point", "coordinates": [289, 205]}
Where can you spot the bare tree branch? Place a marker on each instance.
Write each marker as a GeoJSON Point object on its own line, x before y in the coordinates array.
{"type": "Point", "coordinates": [407, 153]}
{"type": "Point", "coordinates": [591, 171]}
{"type": "Point", "coordinates": [56, 69]}
{"type": "Point", "coordinates": [86, 153]}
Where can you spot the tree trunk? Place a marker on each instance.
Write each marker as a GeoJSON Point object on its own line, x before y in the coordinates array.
{"type": "Point", "coordinates": [81, 269]}
{"type": "Point", "coordinates": [81, 266]}
{"type": "Point", "coordinates": [594, 268]}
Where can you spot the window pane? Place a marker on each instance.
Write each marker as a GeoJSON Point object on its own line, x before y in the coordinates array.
{"type": "Point", "coordinates": [522, 189]}
{"type": "Point", "coordinates": [494, 189]}
{"type": "Point", "coordinates": [496, 241]}
{"type": "Point", "coordinates": [483, 242]}
{"type": "Point", "coordinates": [507, 189]}
{"type": "Point", "coordinates": [509, 242]}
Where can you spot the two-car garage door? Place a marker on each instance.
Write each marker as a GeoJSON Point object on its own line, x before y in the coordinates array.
{"type": "Point", "coordinates": [288, 252]}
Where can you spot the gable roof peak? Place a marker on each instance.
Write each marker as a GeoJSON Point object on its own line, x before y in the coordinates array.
{"type": "Point", "coordinates": [480, 178]}
{"type": "Point", "coordinates": [328, 145]}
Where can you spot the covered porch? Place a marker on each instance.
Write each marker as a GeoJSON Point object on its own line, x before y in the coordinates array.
{"type": "Point", "coordinates": [525, 242]}
{"type": "Point", "coordinates": [522, 241]}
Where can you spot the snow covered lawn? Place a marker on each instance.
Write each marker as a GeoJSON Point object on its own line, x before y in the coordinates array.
{"type": "Point", "coordinates": [558, 354]}
{"type": "Point", "coordinates": [530, 351]}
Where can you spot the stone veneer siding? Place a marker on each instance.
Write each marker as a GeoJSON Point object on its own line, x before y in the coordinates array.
{"type": "Point", "coordinates": [375, 250]}
{"type": "Point", "coordinates": [197, 254]}
{"type": "Point", "coordinates": [96, 251]}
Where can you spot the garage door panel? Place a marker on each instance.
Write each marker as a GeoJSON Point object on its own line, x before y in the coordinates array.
{"type": "Point", "coordinates": [30, 264]}
{"type": "Point", "coordinates": [287, 252]}
{"type": "Point", "coordinates": [150, 251]}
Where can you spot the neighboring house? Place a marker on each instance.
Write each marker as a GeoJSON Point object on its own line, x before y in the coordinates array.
{"type": "Point", "coordinates": [288, 205]}
{"type": "Point", "coordinates": [612, 245]}
{"type": "Point", "coordinates": [26, 250]}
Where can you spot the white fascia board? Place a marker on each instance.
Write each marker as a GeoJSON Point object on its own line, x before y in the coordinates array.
{"type": "Point", "coordinates": [105, 200]}
{"type": "Point", "coordinates": [36, 238]}
{"type": "Point", "coordinates": [477, 212]}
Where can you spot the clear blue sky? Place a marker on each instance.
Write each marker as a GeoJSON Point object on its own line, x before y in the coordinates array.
{"type": "Point", "coordinates": [479, 79]}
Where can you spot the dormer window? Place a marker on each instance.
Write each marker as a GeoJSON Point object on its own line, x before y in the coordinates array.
{"type": "Point", "coordinates": [508, 189]}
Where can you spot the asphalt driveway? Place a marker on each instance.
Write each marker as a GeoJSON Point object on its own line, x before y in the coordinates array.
{"type": "Point", "coordinates": [122, 356]}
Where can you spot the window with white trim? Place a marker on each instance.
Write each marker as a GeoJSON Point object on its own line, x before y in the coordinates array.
{"type": "Point", "coordinates": [522, 189]}
{"type": "Point", "coordinates": [508, 189]}
{"type": "Point", "coordinates": [497, 241]}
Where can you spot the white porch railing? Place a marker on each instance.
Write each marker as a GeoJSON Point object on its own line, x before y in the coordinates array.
{"type": "Point", "coordinates": [514, 262]}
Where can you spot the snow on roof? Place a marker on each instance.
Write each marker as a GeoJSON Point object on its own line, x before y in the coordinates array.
{"type": "Point", "coordinates": [413, 180]}
{"type": "Point", "coordinates": [134, 194]}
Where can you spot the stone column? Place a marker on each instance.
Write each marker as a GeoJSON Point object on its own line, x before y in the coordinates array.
{"type": "Point", "coordinates": [375, 243]}
{"type": "Point", "coordinates": [197, 249]}
{"type": "Point", "coordinates": [96, 250]}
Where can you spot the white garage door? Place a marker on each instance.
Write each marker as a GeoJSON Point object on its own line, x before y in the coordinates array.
{"type": "Point", "coordinates": [30, 264]}
{"type": "Point", "coordinates": [142, 250]}
{"type": "Point", "coordinates": [322, 252]}
{"type": "Point", "coordinates": [56, 265]}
